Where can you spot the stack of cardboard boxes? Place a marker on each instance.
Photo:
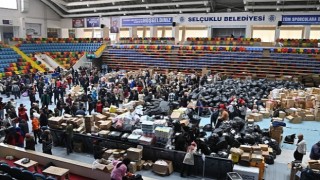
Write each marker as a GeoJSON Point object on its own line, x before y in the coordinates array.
{"type": "Point", "coordinates": [254, 156]}
{"type": "Point", "coordinates": [300, 105]}
{"type": "Point", "coordinates": [314, 164]}
{"type": "Point", "coordinates": [55, 122]}
{"type": "Point", "coordinates": [276, 133]}
{"type": "Point", "coordinates": [135, 155]}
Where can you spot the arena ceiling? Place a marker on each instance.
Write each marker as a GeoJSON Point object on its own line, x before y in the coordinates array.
{"type": "Point", "coordinates": [83, 8]}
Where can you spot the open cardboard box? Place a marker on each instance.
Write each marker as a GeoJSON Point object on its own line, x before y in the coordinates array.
{"type": "Point", "coordinates": [163, 169]}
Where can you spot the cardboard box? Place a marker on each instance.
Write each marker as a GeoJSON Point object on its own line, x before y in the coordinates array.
{"type": "Point", "coordinates": [163, 169]}
{"type": "Point", "coordinates": [290, 102]}
{"type": "Point", "coordinates": [246, 148]}
{"type": "Point", "coordinates": [176, 115]}
{"type": "Point", "coordinates": [276, 129]}
{"type": "Point", "coordinates": [107, 154]}
{"type": "Point", "coordinates": [256, 116]}
{"type": "Point", "coordinates": [282, 114]}
{"type": "Point", "coordinates": [295, 120]}
{"type": "Point", "coordinates": [147, 165]}
{"type": "Point", "coordinates": [246, 156]}
{"type": "Point", "coordinates": [269, 105]}
{"type": "Point", "coordinates": [134, 154]}
{"type": "Point", "coordinates": [277, 119]}
{"type": "Point", "coordinates": [103, 133]}
{"type": "Point", "coordinates": [265, 114]}
{"type": "Point", "coordinates": [314, 164]}
{"type": "Point", "coordinates": [264, 147]}
{"type": "Point", "coordinates": [100, 117]}
{"type": "Point", "coordinates": [265, 153]}
{"type": "Point", "coordinates": [185, 121]}
{"type": "Point", "coordinates": [105, 125]}
{"type": "Point", "coordinates": [250, 121]}
{"type": "Point", "coordinates": [140, 165]}
{"type": "Point", "coordinates": [106, 168]}
{"type": "Point", "coordinates": [256, 158]}
{"type": "Point", "coordinates": [309, 117]}
{"type": "Point", "coordinates": [309, 104]}
{"type": "Point", "coordinates": [256, 148]}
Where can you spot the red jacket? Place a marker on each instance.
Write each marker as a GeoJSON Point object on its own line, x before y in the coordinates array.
{"type": "Point", "coordinates": [99, 107]}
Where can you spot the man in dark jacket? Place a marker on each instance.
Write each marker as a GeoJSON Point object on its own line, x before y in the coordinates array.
{"type": "Point", "coordinates": [315, 151]}
{"type": "Point", "coordinates": [98, 150]}
{"type": "Point", "coordinates": [43, 119]}
{"type": "Point", "coordinates": [45, 101]}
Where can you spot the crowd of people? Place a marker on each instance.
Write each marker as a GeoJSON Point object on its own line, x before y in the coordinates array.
{"type": "Point", "coordinates": [44, 92]}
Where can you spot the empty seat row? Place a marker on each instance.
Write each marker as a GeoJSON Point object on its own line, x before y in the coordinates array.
{"type": "Point", "coordinates": [9, 56]}
{"type": "Point", "coordinates": [61, 44]}
{"type": "Point", "coordinates": [15, 173]}
{"type": "Point", "coordinates": [6, 61]}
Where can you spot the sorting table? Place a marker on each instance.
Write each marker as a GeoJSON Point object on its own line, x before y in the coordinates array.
{"type": "Point", "coordinates": [28, 165]}
{"type": "Point", "coordinates": [59, 173]}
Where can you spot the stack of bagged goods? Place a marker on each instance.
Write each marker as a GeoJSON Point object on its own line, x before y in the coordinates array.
{"type": "Point", "coordinates": [156, 107]}
{"type": "Point", "coordinates": [135, 155]}
{"type": "Point", "coordinates": [55, 122]}
{"type": "Point", "coordinates": [248, 90]}
{"type": "Point", "coordinates": [163, 135]}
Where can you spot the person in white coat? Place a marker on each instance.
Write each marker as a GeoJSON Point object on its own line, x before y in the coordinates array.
{"type": "Point", "coordinates": [301, 148]}
{"type": "Point", "coordinates": [188, 160]}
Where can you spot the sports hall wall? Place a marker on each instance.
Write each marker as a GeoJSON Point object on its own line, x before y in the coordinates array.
{"type": "Point", "coordinates": [37, 13]}
{"type": "Point", "coordinates": [187, 25]}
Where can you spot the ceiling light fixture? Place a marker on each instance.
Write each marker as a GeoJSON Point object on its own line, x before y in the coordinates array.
{"type": "Point", "coordinates": [88, 5]}
{"type": "Point", "coordinates": [113, 3]}
{"type": "Point", "coordinates": [278, 9]}
{"type": "Point", "coordinates": [142, 1]}
{"type": "Point", "coordinates": [151, 13]}
{"type": "Point", "coordinates": [147, 7]}
{"type": "Point", "coordinates": [119, 9]}
{"type": "Point", "coordinates": [124, 14]}
{"type": "Point", "coordinates": [318, 8]}
{"type": "Point", "coordinates": [208, 10]}
{"type": "Point", "coordinates": [244, 2]}
{"type": "Point", "coordinates": [205, 3]}
{"type": "Point", "coordinates": [177, 5]}
{"type": "Point", "coordinates": [246, 9]}
{"type": "Point", "coordinates": [180, 12]}
{"type": "Point", "coordinates": [94, 10]}
{"type": "Point", "coordinates": [278, 2]}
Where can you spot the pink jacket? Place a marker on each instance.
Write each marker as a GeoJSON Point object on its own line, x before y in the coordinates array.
{"type": "Point", "coordinates": [118, 173]}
